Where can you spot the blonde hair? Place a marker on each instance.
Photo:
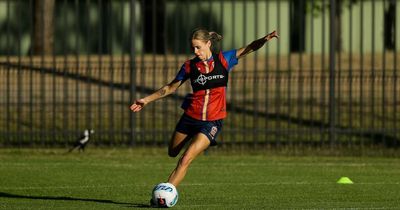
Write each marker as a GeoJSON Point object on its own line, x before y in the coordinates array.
{"type": "Point", "coordinates": [205, 35]}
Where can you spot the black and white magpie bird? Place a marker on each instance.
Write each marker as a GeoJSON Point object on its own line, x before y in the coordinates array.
{"type": "Point", "coordinates": [81, 143]}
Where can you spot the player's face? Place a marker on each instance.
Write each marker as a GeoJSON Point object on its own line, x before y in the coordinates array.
{"type": "Point", "coordinates": [201, 49]}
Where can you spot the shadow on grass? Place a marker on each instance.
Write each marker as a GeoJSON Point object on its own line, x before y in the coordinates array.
{"type": "Point", "coordinates": [66, 198]}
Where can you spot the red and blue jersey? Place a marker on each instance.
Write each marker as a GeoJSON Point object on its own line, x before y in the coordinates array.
{"type": "Point", "coordinates": [209, 80]}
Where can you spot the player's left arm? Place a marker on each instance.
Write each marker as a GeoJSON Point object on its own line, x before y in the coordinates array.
{"type": "Point", "coordinates": [255, 45]}
{"type": "Point", "coordinates": [160, 93]}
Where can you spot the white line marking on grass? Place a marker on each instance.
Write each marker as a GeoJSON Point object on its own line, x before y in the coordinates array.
{"type": "Point", "coordinates": [115, 165]}
{"type": "Point", "coordinates": [350, 208]}
{"type": "Point", "coordinates": [261, 207]}
{"type": "Point", "coordinates": [66, 187]}
{"type": "Point", "coordinates": [186, 184]}
{"type": "Point", "coordinates": [271, 164]}
{"type": "Point", "coordinates": [287, 183]}
{"type": "Point", "coordinates": [267, 163]}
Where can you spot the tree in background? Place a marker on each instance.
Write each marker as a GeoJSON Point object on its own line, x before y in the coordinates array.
{"type": "Point", "coordinates": [43, 35]}
{"type": "Point", "coordinates": [317, 8]}
{"type": "Point", "coordinates": [390, 25]}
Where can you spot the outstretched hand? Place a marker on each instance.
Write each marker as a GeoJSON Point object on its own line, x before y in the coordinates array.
{"type": "Point", "coordinates": [138, 105]}
{"type": "Point", "coordinates": [255, 45]}
{"type": "Point", "coordinates": [272, 35]}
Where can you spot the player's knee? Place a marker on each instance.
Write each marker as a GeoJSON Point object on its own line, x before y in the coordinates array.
{"type": "Point", "coordinates": [185, 160]}
{"type": "Point", "coordinates": [172, 152]}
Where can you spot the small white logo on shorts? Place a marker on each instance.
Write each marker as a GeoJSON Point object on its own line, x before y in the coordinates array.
{"type": "Point", "coordinates": [213, 131]}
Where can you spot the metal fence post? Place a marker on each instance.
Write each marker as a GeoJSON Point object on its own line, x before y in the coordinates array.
{"type": "Point", "coordinates": [132, 69]}
{"type": "Point", "coordinates": [332, 51]}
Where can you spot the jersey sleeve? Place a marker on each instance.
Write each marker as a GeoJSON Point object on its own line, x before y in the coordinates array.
{"type": "Point", "coordinates": [182, 74]}
{"type": "Point", "coordinates": [231, 59]}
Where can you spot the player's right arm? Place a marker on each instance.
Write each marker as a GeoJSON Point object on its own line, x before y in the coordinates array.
{"type": "Point", "coordinates": [160, 93]}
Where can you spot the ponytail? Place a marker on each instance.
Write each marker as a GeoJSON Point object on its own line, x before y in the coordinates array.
{"type": "Point", "coordinates": [214, 36]}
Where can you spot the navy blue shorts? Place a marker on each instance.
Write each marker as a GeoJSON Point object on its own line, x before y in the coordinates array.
{"type": "Point", "coordinates": [191, 127]}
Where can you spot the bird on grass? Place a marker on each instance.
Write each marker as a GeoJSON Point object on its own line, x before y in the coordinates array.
{"type": "Point", "coordinates": [81, 143]}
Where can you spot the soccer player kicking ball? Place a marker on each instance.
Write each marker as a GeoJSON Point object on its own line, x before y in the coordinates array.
{"type": "Point", "coordinates": [205, 108]}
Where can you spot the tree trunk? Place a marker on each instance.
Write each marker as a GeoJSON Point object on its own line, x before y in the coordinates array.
{"type": "Point", "coordinates": [43, 37]}
{"type": "Point", "coordinates": [390, 26]}
{"type": "Point", "coordinates": [338, 28]}
{"type": "Point", "coordinates": [154, 33]}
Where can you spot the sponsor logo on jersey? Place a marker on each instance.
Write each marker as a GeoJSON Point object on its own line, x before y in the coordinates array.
{"type": "Point", "coordinates": [202, 79]}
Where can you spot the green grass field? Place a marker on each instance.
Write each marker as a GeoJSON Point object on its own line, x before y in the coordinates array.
{"type": "Point", "coordinates": [123, 179]}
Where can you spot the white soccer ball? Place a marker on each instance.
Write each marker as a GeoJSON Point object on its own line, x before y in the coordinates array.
{"type": "Point", "coordinates": [164, 195]}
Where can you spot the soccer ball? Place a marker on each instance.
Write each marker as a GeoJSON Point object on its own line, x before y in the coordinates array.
{"type": "Point", "coordinates": [164, 195]}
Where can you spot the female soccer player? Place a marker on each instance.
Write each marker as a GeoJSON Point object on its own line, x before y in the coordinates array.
{"type": "Point", "coordinates": [205, 108]}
